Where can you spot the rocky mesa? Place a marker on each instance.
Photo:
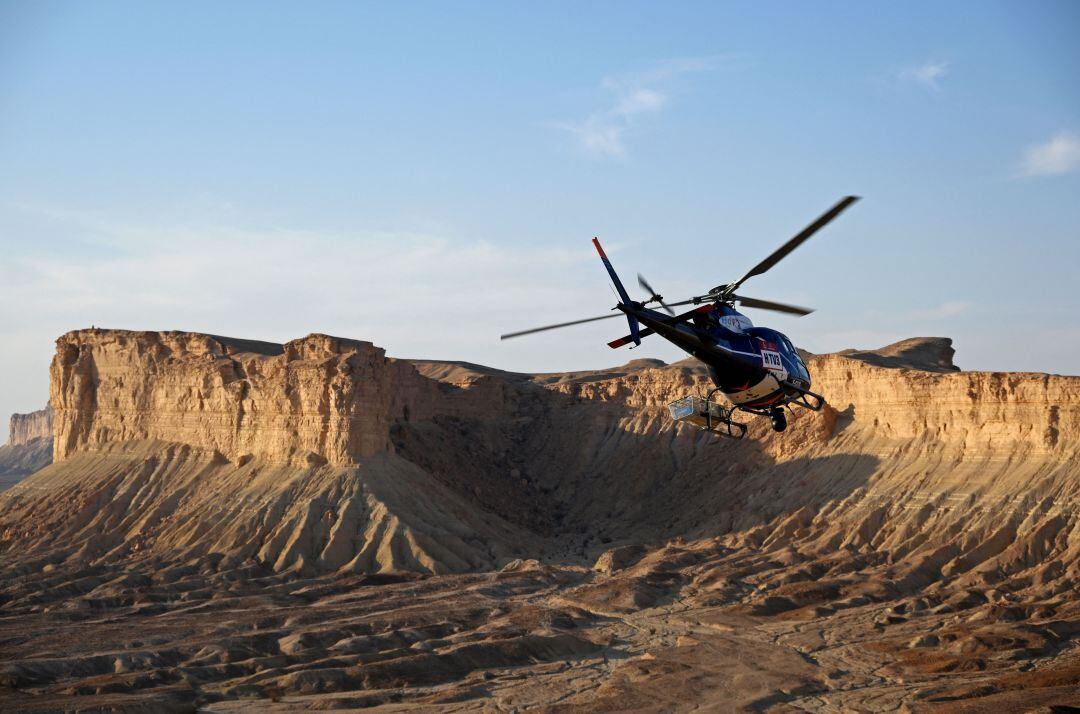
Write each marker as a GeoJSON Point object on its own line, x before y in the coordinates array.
{"type": "Point", "coordinates": [915, 544]}
{"type": "Point", "coordinates": [316, 426]}
{"type": "Point", "coordinates": [316, 400]}
{"type": "Point", "coordinates": [25, 428]}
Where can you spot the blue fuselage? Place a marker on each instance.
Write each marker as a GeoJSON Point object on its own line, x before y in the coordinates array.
{"type": "Point", "coordinates": [751, 365]}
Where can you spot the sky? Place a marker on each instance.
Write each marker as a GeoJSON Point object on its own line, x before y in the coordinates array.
{"type": "Point", "coordinates": [428, 176]}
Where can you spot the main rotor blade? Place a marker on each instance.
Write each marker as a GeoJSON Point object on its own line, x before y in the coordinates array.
{"type": "Point", "coordinates": [796, 241]}
{"type": "Point", "coordinates": [769, 305]}
{"type": "Point", "coordinates": [653, 295]}
{"type": "Point", "coordinates": [561, 324]}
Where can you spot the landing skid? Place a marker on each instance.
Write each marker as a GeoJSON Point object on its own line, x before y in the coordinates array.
{"type": "Point", "coordinates": [806, 399]}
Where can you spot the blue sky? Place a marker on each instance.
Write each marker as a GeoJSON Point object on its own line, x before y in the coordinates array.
{"type": "Point", "coordinates": [427, 176]}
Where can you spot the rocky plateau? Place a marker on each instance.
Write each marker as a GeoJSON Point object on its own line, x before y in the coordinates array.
{"type": "Point", "coordinates": [227, 525]}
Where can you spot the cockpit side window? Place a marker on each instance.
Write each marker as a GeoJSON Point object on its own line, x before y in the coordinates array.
{"type": "Point", "coordinates": [781, 342]}
{"type": "Point", "coordinates": [790, 348]}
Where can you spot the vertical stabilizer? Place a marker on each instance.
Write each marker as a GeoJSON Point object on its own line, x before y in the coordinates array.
{"type": "Point", "coordinates": [623, 296]}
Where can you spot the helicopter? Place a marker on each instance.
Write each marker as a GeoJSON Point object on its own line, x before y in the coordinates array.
{"type": "Point", "coordinates": [756, 368]}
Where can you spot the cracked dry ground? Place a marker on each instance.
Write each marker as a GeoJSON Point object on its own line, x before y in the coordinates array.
{"type": "Point", "coordinates": [684, 627]}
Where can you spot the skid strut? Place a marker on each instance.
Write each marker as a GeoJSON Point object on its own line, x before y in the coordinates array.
{"type": "Point", "coordinates": [806, 398]}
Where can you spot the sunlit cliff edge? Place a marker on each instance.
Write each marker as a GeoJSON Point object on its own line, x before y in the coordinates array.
{"type": "Point", "coordinates": [323, 454]}
{"type": "Point", "coordinates": [25, 428]}
{"type": "Point", "coordinates": [318, 521]}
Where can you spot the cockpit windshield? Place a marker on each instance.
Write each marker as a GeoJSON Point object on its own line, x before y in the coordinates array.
{"type": "Point", "coordinates": [779, 342]}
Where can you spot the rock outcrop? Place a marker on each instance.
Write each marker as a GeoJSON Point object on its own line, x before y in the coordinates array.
{"type": "Point", "coordinates": [930, 354]}
{"type": "Point", "coordinates": [24, 428]}
{"type": "Point", "coordinates": [583, 459]}
{"type": "Point", "coordinates": [923, 524]}
{"type": "Point", "coordinates": [315, 400]}
{"type": "Point", "coordinates": [182, 444]}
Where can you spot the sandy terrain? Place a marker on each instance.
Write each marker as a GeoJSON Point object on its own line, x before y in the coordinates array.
{"type": "Point", "coordinates": [231, 526]}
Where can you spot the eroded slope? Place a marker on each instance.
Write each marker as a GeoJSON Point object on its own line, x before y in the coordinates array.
{"type": "Point", "coordinates": [29, 446]}
{"type": "Point", "coordinates": [914, 544]}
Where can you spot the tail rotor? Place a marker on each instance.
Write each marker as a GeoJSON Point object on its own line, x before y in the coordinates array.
{"type": "Point", "coordinates": [656, 297]}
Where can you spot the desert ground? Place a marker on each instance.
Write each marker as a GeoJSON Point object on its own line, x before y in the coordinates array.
{"type": "Point", "coordinates": [231, 525]}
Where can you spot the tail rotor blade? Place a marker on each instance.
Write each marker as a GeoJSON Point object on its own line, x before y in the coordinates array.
{"type": "Point", "coordinates": [653, 295]}
{"type": "Point", "coordinates": [645, 284]}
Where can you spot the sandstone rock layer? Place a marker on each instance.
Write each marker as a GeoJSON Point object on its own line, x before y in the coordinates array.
{"type": "Point", "coordinates": [915, 544]}
{"type": "Point", "coordinates": [25, 428]}
{"type": "Point", "coordinates": [318, 399]}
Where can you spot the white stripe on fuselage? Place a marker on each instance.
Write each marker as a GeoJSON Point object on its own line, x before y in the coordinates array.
{"type": "Point", "coordinates": [760, 390]}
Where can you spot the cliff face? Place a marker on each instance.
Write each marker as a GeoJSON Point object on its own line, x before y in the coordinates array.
{"type": "Point", "coordinates": [907, 450]}
{"type": "Point", "coordinates": [968, 413]}
{"type": "Point", "coordinates": [315, 400]}
{"type": "Point", "coordinates": [24, 428]}
{"type": "Point", "coordinates": [181, 444]}
{"type": "Point", "coordinates": [446, 466]}
{"type": "Point", "coordinates": [916, 542]}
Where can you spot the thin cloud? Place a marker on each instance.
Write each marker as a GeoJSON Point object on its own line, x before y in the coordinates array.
{"type": "Point", "coordinates": [640, 101]}
{"type": "Point", "coordinates": [1059, 155]}
{"type": "Point", "coordinates": [279, 283]}
{"type": "Point", "coordinates": [950, 308]}
{"type": "Point", "coordinates": [600, 136]}
{"type": "Point", "coordinates": [631, 97]}
{"type": "Point", "coordinates": [418, 293]}
{"type": "Point", "coordinates": [927, 75]}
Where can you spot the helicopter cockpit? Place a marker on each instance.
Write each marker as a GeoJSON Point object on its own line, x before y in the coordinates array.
{"type": "Point", "coordinates": [773, 341]}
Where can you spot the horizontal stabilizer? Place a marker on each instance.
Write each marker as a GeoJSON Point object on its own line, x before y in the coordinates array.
{"type": "Point", "coordinates": [622, 341]}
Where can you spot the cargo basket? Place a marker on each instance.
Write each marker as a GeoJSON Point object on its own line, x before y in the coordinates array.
{"type": "Point", "coordinates": [706, 414]}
